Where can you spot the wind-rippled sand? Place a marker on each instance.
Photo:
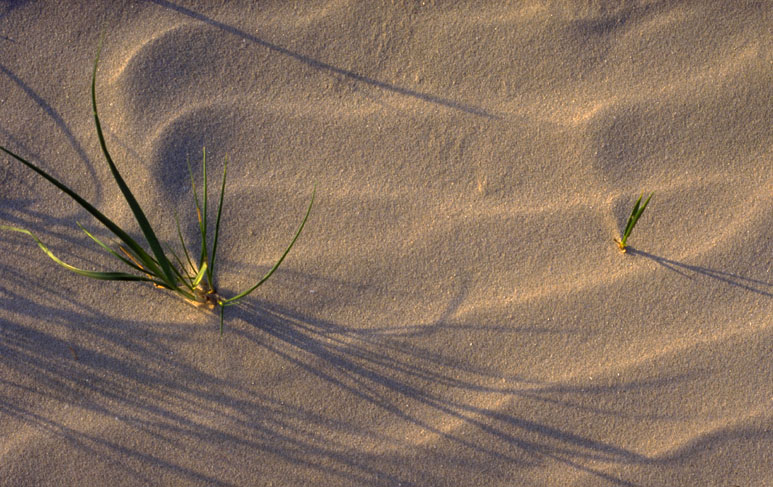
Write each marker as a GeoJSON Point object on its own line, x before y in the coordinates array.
{"type": "Point", "coordinates": [456, 311]}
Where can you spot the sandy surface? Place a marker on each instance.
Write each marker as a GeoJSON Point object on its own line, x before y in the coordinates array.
{"type": "Point", "coordinates": [456, 311]}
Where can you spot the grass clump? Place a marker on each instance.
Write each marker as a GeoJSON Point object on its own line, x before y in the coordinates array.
{"type": "Point", "coordinates": [191, 279]}
{"type": "Point", "coordinates": [636, 213]}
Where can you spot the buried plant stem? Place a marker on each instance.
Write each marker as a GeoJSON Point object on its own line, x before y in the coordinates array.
{"type": "Point", "coordinates": [193, 282]}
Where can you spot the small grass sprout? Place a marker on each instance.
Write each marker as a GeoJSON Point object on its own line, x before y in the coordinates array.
{"type": "Point", "coordinates": [637, 211]}
{"type": "Point", "coordinates": [191, 279]}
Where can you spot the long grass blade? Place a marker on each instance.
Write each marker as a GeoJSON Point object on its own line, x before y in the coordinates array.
{"type": "Point", "coordinates": [211, 270]}
{"type": "Point", "coordinates": [631, 219]}
{"type": "Point", "coordinates": [233, 300]}
{"type": "Point", "coordinates": [166, 268]}
{"type": "Point", "coordinates": [203, 216]}
{"type": "Point", "coordinates": [180, 267]}
{"type": "Point", "coordinates": [635, 214]}
{"type": "Point", "coordinates": [112, 252]}
{"type": "Point", "coordinates": [107, 222]}
{"type": "Point", "coordinates": [646, 202]}
{"type": "Point", "coordinates": [108, 276]}
{"type": "Point", "coordinates": [182, 243]}
{"type": "Point", "coordinates": [196, 202]}
{"type": "Point", "coordinates": [631, 222]}
{"type": "Point", "coordinates": [184, 279]}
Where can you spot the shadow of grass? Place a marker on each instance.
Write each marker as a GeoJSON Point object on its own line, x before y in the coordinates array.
{"type": "Point", "coordinates": [756, 286]}
{"type": "Point", "coordinates": [136, 376]}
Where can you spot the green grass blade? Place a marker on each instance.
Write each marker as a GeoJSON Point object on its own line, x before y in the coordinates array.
{"type": "Point", "coordinates": [182, 242]}
{"type": "Point", "coordinates": [636, 205]}
{"type": "Point", "coordinates": [211, 270]}
{"type": "Point", "coordinates": [196, 202]}
{"type": "Point", "coordinates": [108, 276]}
{"type": "Point", "coordinates": [631, 219]}
{"type": "Point", "coordinates": [203, 218]}
{"type": "Point", "coordinates": [184, 279]}
{"type": "Point", "coordinates": [233, 300]}
{"type": "Point", "coordinates": [112, 252]}
{"type": "Point", "coordinates": [638, 212]}
{"type": "Point", "coordinates": [646, 202]}
{"type": "Point", "coordinates": [200, 275]}
{"type": "Point", "coordinates": [139, 215]}
{"type": "Point", "coordinates": [154, 278]}
{"type": "Point", "coordinates": [117, 231]}
{"type": "Point", "coordinates": [179, 268]}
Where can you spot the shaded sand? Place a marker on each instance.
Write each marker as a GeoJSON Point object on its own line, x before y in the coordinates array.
{"type": "Point", "coordinates": [456, 312]}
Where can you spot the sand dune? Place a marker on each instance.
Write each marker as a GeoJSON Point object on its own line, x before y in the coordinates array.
{"type": "Point", "coordinates": [456, 311]}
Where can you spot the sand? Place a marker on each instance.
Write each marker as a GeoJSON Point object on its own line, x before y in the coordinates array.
{"type": "Point", "coordinates": [456, 311]}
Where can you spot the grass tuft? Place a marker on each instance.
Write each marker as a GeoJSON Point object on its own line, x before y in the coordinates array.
{"type": "Point", "coordinates": [636, 213]}
{"type": "Point", "coordinates": [193, 281]}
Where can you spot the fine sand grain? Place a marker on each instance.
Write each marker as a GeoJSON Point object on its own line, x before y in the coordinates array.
{"type": "Point", "coordinates": [456, 311]}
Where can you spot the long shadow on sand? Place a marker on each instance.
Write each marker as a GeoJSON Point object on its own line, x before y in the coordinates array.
{"type": "Point", "coordinates": [129, 374]}
{"type": "Point", "coordinates": [126, 373]}
{"type": "Point", "coordinates": [690, 271]}
{"type": "Point", "coordinates": [31, 153]}
{"type": "Point", "coordinates": [386, 370]}
{"type": "Point", "coordinates": [323, 66]}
